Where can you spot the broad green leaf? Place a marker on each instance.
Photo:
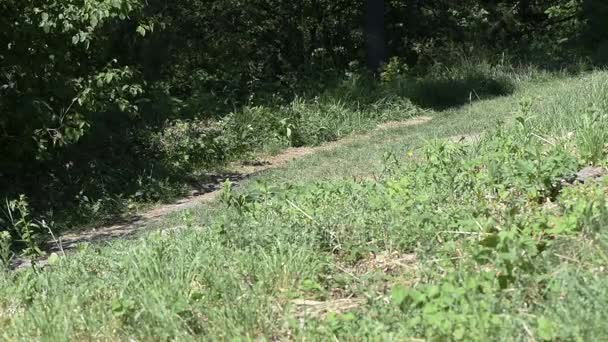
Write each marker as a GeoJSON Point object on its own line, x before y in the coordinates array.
{"type": "Point", "coordinates": [398, 294]}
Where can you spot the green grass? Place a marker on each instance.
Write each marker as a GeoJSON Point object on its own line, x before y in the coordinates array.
{"type": "Point", "coordinates": [471, 241]}
{"type": "Point", "coordinates": [365, 157]}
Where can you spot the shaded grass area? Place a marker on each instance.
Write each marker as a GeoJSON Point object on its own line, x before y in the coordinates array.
{"type": "Point", "coordinates": [454, 87]}
{"type": "Point", "coordinates": [452, 241]}
{"type": "Point", "coordinates": [440, 94]}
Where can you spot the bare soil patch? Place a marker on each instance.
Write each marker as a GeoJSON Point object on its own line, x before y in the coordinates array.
{"type": "Point", "coordinates": [316, 309]}
{"type": "Point", "coordinates": [419, 120]}
{"type": "Point", "coordinates": [465, 138]}
{"type": "Point", "coordinates": [388, 263]}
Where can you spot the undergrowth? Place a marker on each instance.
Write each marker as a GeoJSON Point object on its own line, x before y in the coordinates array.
{"type": "Point", "coordinates": [111, 174]}
{"type": "Point", "coordinates": [488, 240]}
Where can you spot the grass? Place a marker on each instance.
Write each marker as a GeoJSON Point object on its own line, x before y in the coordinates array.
{"type": "Point", "coordinates": [365, 157]}
{"type": "Point", "coordinates": [402, 235]}
{"type": "Point", "coordinates": [124, 165]}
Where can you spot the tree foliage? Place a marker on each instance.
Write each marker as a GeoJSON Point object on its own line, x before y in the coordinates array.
{"type": "Point", "coordinates": [55, 72]}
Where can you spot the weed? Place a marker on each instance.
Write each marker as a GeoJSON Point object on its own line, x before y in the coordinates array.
{"type": "Point", "coordinates": [23, 226]}
{"type": "Point", "coordinates": [6, 253]}
{"type": "Point", "coordinates": [592, 135]}
{"type": "Point", "coordinates": [503, 248]}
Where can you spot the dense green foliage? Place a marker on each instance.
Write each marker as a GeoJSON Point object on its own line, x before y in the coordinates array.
{"type": "Point", "coordinates": [432, 232]}
{"type": "Point", "coordinates": [105, 105]}
{"type": "Point", "coordinates": [452, 240]}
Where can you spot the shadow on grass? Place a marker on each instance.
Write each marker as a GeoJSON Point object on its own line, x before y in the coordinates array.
{"type": "Point", "coordinates": [436, 91]}
{"type": "Point", "coordinates": [441, 94]}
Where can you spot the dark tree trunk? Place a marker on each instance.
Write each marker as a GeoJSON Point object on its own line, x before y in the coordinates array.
{"type": "Point", "coordinates": [375, 35]}
{"type": "Point", "coordinates": [524, 10]}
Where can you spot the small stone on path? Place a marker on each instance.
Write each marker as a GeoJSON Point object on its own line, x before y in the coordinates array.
{"type": "Point", "coordinates": [591, 173]}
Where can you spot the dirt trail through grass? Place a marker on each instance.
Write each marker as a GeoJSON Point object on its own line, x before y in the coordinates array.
{"type": "Point", "coordinates": [381, 236]}
{"type": "Point", "coordinates": [205, 193]}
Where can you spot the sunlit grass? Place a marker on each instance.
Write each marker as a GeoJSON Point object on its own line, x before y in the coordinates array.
{"type": "Point", "coordinates": [356, 229]}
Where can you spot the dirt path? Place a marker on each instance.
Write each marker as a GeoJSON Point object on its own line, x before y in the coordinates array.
{"type": "Point", "coordinates": [207, 193]}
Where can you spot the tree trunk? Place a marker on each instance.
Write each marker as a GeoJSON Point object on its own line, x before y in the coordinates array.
{"type": "Point", "coordinates": [524, 10]}
{"type": "Point", "coordinates": [375, 35]}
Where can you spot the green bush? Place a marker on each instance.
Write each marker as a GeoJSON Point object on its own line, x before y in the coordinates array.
{"type": "Point", "coordinates": [256, 127]}
{"type": "Point", "coordinates": [189, 145]}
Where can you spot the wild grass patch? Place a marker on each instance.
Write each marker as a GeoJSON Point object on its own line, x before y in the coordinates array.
{"type": "Point", "coordinates": [480, 240]}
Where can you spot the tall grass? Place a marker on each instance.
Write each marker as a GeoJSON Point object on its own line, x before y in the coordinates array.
{"type": "Point", "coordinates": [463, 242]}
{"type": "Point", "coordinates": [113, 174]}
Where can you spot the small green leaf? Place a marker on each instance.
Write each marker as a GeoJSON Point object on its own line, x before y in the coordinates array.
{"type": "Point", "coordinates": [417, 296]}
{"type": "Point", "coordinates": [433, 291]}
{"type": "Point", "coordinates": [490, 241]}
{"type": "Point", "coordinates": [117, 306]}
{"type": "Point", "coordinates": [398, 294]}
{"type": "Point", "coordinates": [459, 333]}
{"type": "Point", "coordinates": [196, 296]}
{"type": "Point", "coordinates": [141, 30]}
{"type": "Point", "coordinates": [349, 317]}
{"type": "Point", "coordinates": [94, 21]}
{"type": "Point", "coordinates": [546, 331]}
{"type": "Point", "coordinates": [54, 259]}
{"type": "Point", "coordinates": [109, 77]}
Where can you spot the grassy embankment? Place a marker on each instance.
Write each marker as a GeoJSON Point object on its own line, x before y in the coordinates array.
{"type": "Point", "coordinates": [405, 234]}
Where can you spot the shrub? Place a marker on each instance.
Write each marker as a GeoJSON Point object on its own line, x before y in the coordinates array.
{"type": "Point", "coordinates": [191, 144]}
{"type": "Point", "coordinates": [256, 127]}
